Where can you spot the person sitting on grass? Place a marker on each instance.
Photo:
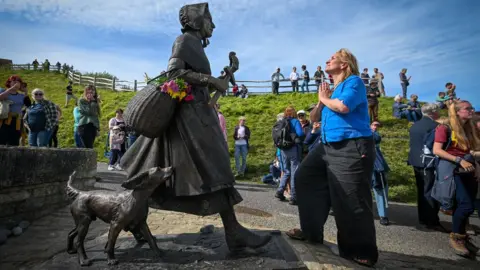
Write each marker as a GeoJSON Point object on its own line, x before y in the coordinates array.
{"type": "Point", "coordinates": [401, 111]}
{"type": "Point", "coordinates": [415, 106]}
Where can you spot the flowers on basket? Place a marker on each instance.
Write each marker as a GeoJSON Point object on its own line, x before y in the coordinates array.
{"type": "Point", "coordinates": [178, 89]}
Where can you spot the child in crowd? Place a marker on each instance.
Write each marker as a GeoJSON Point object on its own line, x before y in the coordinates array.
{"type": "Point", "coordinates": [275, 172]}
{"type": "Point", "coordinates": [442, 100]}
{"type": "Point", "coordinates": [117, 138]}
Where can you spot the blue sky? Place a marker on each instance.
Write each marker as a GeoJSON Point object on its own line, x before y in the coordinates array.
{"type": "Point", "coordinates": [437, 40]}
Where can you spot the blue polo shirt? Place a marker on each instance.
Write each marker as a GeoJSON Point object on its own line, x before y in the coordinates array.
{"type": "Point", "coordinates": [336, 126]}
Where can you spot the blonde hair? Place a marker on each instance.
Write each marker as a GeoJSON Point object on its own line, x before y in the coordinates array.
{"type": "Point", "coordinates": [404, 70]}
{"type": "Point", "coordinates": [345, 56]}
{"type": "Point", "coordinates": [467, 134]}
{"type": "Point", "coordinates": [38, 90]}
{"type": "Point", "coordinates": [290, 112]}
{"type": "Point", "coordinates": [443, 120]}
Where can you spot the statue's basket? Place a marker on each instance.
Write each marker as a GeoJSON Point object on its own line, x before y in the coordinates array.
{"type": "Point", "coordinates": [150, 111]}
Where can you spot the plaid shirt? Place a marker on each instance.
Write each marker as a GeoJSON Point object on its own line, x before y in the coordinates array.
{"type": "Point", "coordinates": [50, 113]}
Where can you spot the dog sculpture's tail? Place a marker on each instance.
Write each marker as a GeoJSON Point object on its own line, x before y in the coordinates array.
{"type": "Point", "coordinates": [72, 192]}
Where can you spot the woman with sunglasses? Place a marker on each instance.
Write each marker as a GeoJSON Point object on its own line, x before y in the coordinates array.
{"type": "Point", "coordinates": [40, 119]}
{"type": "Point", "coordinates": [13, 97]}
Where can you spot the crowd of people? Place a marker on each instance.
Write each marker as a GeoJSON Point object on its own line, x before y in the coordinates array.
{"type": "Point", "coordinates": [33, 120]}
{"type": "Point", "coordinates": [444, 154]}
{"type": "Point", "coordinates": [45, 66]}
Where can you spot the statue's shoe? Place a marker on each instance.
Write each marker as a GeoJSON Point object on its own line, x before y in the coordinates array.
{"type": "Point", "coordinates": [242, 237]}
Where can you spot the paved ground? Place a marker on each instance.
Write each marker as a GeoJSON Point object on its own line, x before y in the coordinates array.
{"type": "Point", "coordinates": [43, 245]}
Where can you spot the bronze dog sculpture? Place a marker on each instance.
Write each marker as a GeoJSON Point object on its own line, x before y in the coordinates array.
{"type": "Point", "coordinates": [126, 210]}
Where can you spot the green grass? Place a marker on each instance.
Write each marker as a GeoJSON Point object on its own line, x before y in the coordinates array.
{"type": "Point", "coordinates": [261, 114]}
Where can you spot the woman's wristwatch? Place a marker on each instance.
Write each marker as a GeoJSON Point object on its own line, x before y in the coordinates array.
{"type": "Point", "coordinates": [458, 160]}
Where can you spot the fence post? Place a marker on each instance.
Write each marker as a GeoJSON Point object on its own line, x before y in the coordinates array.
{"type": "Point", "coordinates": [80, 78]}
{"type": "Point", "coordinates": [113, 84]}
{"type": "Point", "coordinates": [28, 66]}
{"type": "Point", "coordinates": [135, 86]}
{"type": "Point", "coordinates": [95, 80]}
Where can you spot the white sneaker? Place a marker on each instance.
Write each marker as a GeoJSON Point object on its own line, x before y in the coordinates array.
{"type": "Point", "coordinates": [111, 168]}
{"type": "Point", "coordinates": [118, 167]}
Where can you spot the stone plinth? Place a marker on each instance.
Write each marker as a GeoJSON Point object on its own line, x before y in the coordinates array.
{"type": "Point", "coordinates": [33, 180]}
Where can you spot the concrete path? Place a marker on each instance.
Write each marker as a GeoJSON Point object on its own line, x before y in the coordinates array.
{"type": "Point", "coordinates": [43, 245]}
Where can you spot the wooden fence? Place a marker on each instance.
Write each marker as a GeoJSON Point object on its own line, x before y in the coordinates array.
{"type": "Point", "coordinates": [265, 86]}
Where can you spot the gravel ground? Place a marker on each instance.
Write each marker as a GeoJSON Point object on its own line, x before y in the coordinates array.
{"type": "Point", "coordinates": [402, 237]}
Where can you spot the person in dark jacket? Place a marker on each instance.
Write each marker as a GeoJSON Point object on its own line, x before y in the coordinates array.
{"type": "Point", "coordinates": [241, 136]}
{"type": "Point", "coordinates": [427, 206]}
{"type": "Point", "coordinates": [312, 136]}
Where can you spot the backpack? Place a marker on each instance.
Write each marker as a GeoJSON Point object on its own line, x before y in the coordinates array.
{"type": "Point", "coordinates": [282, 134]}
{"type": "Point", "coordinates": [37, 118]}
{"type": "Point", "coordinates": [429, 159]}
{"type": "Point", "coordinates": [5, 108]}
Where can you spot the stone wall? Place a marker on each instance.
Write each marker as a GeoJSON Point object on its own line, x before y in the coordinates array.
{"type": "Point", "coordinates": [33, 180]}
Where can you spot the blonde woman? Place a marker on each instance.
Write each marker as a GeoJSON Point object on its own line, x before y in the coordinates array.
{"type": "Point", "coordinates": [453, 145]}
{"type": "Point", "coordinates": [89, 123]}
{"type": "Point", "coordinates": [404, 81]}
{"type": "Point", "coordinates": [349, 150]}
{"type": "Point", "coordinates": [40, 119]}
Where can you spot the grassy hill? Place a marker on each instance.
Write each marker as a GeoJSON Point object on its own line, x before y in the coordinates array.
{"type": "Point", "coordinates": [260, 112]}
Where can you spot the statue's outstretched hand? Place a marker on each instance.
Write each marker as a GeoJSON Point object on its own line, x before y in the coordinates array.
{"type": "Point", "coordinates": [219, 84]}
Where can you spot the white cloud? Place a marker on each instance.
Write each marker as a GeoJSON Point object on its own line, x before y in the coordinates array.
{"type": "Point", "coordinates": [435, 41]}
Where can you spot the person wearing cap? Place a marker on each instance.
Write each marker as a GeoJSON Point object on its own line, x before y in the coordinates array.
{"type": "Point", "coordinates": [276, 80]}
{"type": "Point", "coordinates": [379, 178]}
{"type": "Point", "coordinates": [302, 118]}
{"type": "Point", "coordinates": [241, 135]}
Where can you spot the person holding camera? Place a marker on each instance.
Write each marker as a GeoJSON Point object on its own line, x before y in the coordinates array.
{"type": "Point", "coordinates": [89, 121]}
{"type": "Point", "coordinates": [13, 100]}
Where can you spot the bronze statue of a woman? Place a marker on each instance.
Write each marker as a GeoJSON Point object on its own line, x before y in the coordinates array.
{"type": "Point", "coordinates": [203, 183]}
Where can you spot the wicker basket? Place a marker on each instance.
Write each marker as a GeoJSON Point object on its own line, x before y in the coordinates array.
{"type": "Point", "coordinates": [150, 111]}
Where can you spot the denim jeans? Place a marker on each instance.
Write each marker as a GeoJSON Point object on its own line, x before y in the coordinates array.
{"type": "Point", "coordinates": [404, 90]}
{"type": "Point", "coordinates": [410, 115]}
{"type": "Point", "coordinates": [39, 138]}
{"type": "Point", "coordinates": [78, 140]}
{"type": "Point", "coordinates": [381, 201]}
{"type": "Point", "coordinates": [131, 140]}
{"type": "Point", "coordinates": [465, 193]}
{"type": "Point", "coordinates": [305, 83]}
{"type": "Point", "coordinates": [291, 159]}
{"type": "Point", "coordinates": [241, 151]}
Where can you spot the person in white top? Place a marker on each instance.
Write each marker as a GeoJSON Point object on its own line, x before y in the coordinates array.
{"type": "Point", "coordinates": [294, 76]}
{"type": "Point", "coordinates": [241, 136]}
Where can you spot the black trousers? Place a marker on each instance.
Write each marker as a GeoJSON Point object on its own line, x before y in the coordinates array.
{"type": "Point", "coordinates": [427, 206]}
{"type": "Point", "coordinates": [339, 175]}
{"type": "Point", "coordinates": [294, 86]}
{"type": "Point", "coordinates": [9, 135]}
{"type": "Point", "coordinates": [88, 133]}
{"type": "Point", "coordinates": [275, 86]}
{"type": "Point", "coordinates": [54, 139]}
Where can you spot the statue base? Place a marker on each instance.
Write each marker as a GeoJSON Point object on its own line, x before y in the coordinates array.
{"type": "Point", "coordinates": [184, 251]}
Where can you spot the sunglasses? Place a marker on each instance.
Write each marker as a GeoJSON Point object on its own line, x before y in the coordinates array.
{"type": "Point", "coordinates": [38, 94]}
{"type": "Point", "coordinates": [301, 115]}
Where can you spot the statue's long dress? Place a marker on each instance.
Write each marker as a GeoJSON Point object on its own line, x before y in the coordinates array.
{"type": "Point", "coordinates": [194, 145]}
